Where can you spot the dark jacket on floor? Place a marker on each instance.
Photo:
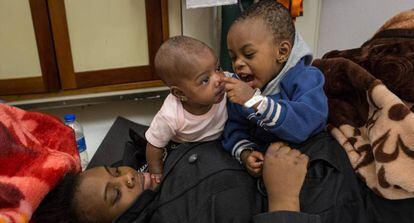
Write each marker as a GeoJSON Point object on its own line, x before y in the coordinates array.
{"type": "Point", "coordinates": [202, 183]}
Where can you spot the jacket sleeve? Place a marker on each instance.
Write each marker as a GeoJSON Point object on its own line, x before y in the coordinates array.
{"type": "Point", "coordinates": [286, 217]}
{"type": "Point", "coordinates": [236, 137]}
{"type": "Point", "coordinates": [303, 115]}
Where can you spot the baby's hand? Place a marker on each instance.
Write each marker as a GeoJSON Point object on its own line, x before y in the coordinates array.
{"type": "Point", "coordinates": [237, 91]}
{"type": "Point", "coordinates": [254, 163]}
{"type": "Point", "coordinates": [156, 177]}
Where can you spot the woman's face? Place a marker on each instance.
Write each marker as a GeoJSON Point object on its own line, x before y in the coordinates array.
{"type": "Point", "coordinates": [106, 192]}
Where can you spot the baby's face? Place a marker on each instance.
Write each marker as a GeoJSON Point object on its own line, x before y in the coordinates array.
{"type": "Point", "coordinates": [201, 83]}
{"type": "Point", "coordinates": [253, 52]}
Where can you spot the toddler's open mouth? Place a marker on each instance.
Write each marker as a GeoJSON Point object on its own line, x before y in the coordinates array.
{"type": "Point", "coordinates": [248, 78]}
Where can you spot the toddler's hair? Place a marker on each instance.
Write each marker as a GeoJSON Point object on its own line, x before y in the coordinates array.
{"type": "Point", "coordinates": [275, 16]}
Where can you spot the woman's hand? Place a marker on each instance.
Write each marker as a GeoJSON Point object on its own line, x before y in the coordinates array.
{"type": "Point", "coordinates": [284, 171]}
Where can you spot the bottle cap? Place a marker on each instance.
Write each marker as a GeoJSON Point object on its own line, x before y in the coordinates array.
{"type": "Point", "coordinates": [70, 118]}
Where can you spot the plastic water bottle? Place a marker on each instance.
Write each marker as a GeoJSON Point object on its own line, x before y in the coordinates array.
{"type": "Point", "coordinates": [70, 120]}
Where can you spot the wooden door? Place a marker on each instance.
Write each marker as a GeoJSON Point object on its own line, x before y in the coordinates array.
{"type": "Point", "coordinates": [27, 61]}
{"type": "Point", "coordinates": [106, 42]}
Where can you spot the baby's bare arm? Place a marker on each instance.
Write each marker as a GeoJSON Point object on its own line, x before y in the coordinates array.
{"type": "Point", "coordinates": [154, 158]}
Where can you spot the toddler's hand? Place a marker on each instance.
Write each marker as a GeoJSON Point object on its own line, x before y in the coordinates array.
{"type": "Point", "coordinates": [156, 177]}
{"type": "Point", "coordinates": [237, 91]}
{"type": "Point", "coordinates": [254, 163]}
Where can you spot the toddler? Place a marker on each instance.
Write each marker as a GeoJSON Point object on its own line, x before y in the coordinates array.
{"type": "Point", "coordinates": [276, 94]}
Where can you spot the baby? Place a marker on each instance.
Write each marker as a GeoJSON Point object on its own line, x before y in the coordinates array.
{"type": "Point", "coordinates": [195, 109]}
{"type": "Point", "coordinates": [275, 94]}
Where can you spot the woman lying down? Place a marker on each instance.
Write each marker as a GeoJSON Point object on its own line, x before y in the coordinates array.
{"type": "Point", "coordinates": [213, 188]}
{"type": "Point", "coordinates": [204, 184]}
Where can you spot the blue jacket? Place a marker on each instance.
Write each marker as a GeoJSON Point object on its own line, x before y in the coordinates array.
{"type": "Point", "coordinates": [298, 111]}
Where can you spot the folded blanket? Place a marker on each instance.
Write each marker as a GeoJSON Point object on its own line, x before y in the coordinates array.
{"type": "Point", "coordinates": [403, 20]}
{"type": "Point", "coordinates": [370, 94]}
{"type": "Point", "coordinates": [36, 151]}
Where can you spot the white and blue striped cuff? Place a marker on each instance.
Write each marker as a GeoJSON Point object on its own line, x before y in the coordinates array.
{"type": "Point", "coordinates": [269, 111]}
{"type": "Point", "coordinates": [240, 146]}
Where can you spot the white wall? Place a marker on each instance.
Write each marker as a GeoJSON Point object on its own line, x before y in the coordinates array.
{"type": "Point", "coordinates": [200, 23]}
{"type": "Point", "coordinates": [346, 24]}
{"type": "Point", "coordinates": [308, 24]}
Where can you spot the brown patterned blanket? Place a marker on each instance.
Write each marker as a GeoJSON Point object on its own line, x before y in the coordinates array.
{"type": "Point", "coordinates": [371, 93]}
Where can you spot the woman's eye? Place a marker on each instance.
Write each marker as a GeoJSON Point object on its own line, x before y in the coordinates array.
{"type": "Point", "coordinates": [117, 195]}
{"type": "Point", "coordinates": [249, 55]}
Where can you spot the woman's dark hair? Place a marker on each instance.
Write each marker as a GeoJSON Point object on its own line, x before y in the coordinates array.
{"type": "Point", "coordinates": [59, 204]}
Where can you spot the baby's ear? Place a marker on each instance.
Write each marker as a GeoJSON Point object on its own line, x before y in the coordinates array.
{"type": "Point", "coordinates": [177, 92]}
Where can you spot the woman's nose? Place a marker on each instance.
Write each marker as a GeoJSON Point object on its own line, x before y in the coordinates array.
{"type": "Point", "coordinates": [129, 180]}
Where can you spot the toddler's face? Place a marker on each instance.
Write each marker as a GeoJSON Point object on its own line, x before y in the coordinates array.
{"type": "Point", "coordinates": [201, 84]}
{"type": "Point", "coordinates": [253, 52]}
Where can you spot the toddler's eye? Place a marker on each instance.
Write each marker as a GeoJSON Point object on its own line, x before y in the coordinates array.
{"type": "Point", "coordinates": [205, 80]}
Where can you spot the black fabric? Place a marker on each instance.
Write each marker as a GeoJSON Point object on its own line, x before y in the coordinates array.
{"type": "Point", "coordinates": [217, 189]}
{"type": "Point", "coordinates": [111, 150]}
{"type": "Point", "coordinates": [331, 188]}
{"type": "Point", "coordinates": [382, 210]}
{"type": "Point", "coordinates": [134, 152]}
{"type": "Point", "coordinates": [286, 217]}
{"type": "Point", "coordinates": [138, 207]}
{"type": "Point", "coordinates": [204, 189]}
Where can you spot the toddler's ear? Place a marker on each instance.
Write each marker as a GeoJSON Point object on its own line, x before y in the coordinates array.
{"type": "Point", "coordinates": [283, 51]}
